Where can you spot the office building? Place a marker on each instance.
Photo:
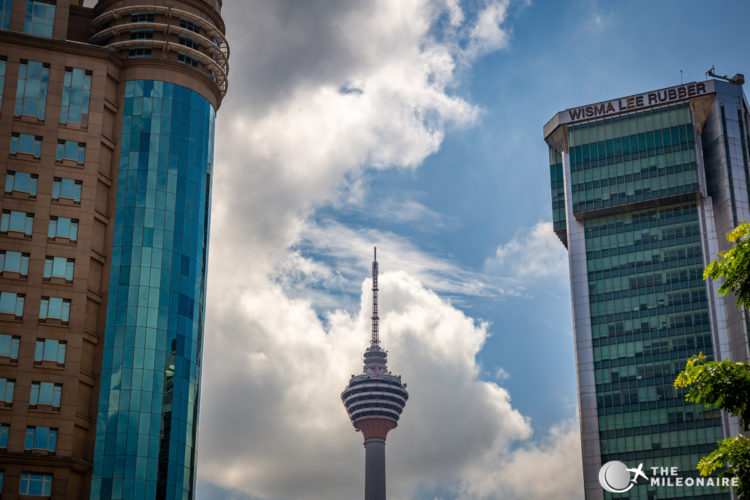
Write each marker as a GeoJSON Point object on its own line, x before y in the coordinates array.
{"type": "Point", "coordinates": [374, 401]}
{"type": "Point", "coordinates": [106, 135]}
{"type": "Point", "coordinates": [644, 190]}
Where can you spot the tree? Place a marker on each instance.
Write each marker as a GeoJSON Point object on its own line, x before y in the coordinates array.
{"type": "Point", "coordinates": [734, 266]}
{"type": "Point", "coordinates": [726, 384]}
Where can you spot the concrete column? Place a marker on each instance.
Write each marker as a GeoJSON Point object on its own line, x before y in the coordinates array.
{"type": "Point", "coordinates": [375, 469]}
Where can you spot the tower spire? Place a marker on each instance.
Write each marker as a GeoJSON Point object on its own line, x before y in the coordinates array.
{"type": "Point", "coordinates": [375, 320]}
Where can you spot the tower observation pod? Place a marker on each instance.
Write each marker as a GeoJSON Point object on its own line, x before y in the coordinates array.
{"type": "Point", "coordinates": [374, 401]}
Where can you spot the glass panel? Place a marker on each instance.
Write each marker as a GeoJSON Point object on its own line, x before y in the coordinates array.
{"type": "Point", "coordinates": [39, 19]}
{"type": "Point", "coordinates": [76, 96]}
{"type": "Point", "coordinates": [31, 92]}
{"type": "Point", "coordinates": [7, 302]}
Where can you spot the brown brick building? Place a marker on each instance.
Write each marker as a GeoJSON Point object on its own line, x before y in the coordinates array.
{"type": "Point", "coordinates": [92, 172]}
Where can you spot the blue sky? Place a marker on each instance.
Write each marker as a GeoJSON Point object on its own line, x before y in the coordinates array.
{"type": "Point", "coordinates": [415, 126]}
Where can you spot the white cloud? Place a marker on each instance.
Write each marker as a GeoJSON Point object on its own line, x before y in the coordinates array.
{"type": "Point", "coordinates": [551, 469]}
{"type": "Point", "coordinates": [532, 253]}
{"type": "Point", "coordinates": [351, 250]}
{"type": "Point", "coordinates": [274, 427]}
{"type": "Point", "coordinates": [501, 374]}
{"type": "Point", "coordinates": [318, 93]}
{"type": "Point", "coordinates": [488, 33]}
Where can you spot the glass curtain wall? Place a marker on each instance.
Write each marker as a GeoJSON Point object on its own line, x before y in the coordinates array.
{"type": "Point", "coordinates": [148, 408]}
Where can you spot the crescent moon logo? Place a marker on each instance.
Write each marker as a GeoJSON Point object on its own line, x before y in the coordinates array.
{"type": "Point", "coordinates": [615, 477]}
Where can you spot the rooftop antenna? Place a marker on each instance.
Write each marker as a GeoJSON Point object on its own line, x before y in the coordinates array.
{"type": "Point", "coordinates": [375, 333]}
{"type": "Point", "coordinates": [737, 79]}
{"type": "Point", "coordinates": [681, 82]}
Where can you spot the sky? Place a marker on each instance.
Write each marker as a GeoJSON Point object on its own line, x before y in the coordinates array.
{"type": "Point", "coordinates": [414, 126]}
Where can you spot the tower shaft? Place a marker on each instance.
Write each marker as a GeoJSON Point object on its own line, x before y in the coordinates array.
{"type": "Point", "coordinates": [375, 469]}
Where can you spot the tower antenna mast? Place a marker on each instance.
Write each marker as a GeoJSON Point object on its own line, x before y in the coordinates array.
{"type": "Point", "coordinates": [375, 320]}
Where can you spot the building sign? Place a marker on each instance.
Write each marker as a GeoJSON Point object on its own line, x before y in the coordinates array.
{"type": "Point", "coordinates": [636, 102]}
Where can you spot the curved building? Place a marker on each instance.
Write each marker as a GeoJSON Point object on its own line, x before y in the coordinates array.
{"type": "Point", "coordinates": [374, 401]}
{"type": "Point", "coordinates": [108, 126]}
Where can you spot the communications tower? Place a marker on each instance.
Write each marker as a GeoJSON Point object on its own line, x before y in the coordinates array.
{"type": "Point", "coordinates": [374, 401]}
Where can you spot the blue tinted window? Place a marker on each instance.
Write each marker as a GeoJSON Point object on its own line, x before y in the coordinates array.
{"type": "Point", "coordinates": [31, 93]}
{"type": "Point", "coordinates": [67, 188]}
{"type": "Point", "coordinates": [54, 308]}
{"type": "Point", "coordinates": [45, 393]}
{"type": "Point", "coordinates": [76, 96]}
{"type": "Point", "coordinates": [40, 438]}
{"type": "Point", "coordinates": [4, 431]}
{"type": "Point", "coordinates": [26, 143]}
{"type": "Point", "coordinates": [39, 19]}
{"type": "Point", "coordinates": [50, 350]}
{"type": "Point", "coordinates": [189, 25]}
{"type": "Point", "coordinates": [6, 7]}
{"type": "Point", "coordinates": [143, 17]}
{"type": "Point", "coordinates": [11, 303]}
{"type": "Point", "coordinates": [9, 346]}
{"type": "Point", "coordinates": [17, 221]}
{"type": "Point", "coordinates": [63, 227]}
{"type": "Point", "coordinates": [71, 150]}
{"type": "Point", "coordinates": [15, 262]}
{"type": "Point", "coordinates": [35, 484]}
{"type": "Point", "coordinates": [2, 69]}
{"type": "Point", "coordinates": [6, 390]}
{"type": "Point", "coordinates": [59, 267]}
{"type": "Point", "coordinates": [185, 59]}
{"type": "Point", "coordinates": [21, 182]}
{"type": "Point", "coordinates": [139, 52]}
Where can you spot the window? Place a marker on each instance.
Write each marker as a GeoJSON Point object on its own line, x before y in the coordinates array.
{"type": "Point", "coordinates": [76, 96]}
{"type": "Point", "coordinates": [4, 431]}
{"type": "Point", "coordinates": [45, 393]}
{"type": "Point", "coordinates": [189, 25]}
{"type": "Point", "coordinates": [63, 227]}
{"type": "Point", "coordinates": [39, 485]}
{"type": "Point", "coordinates": [50, 350]}
{"type": "Point", "coordinates": [6, 390]}
{"type": "Point", "coordinates": [14, 262]}
{"type": "Point", "coordinates": [187, 60]}
{"type": "Point", "coordinates": [31, 93]}
{"type": "Point", "coordinates": [40, 18]}
{"type": "Point", "coordinates": [143, 17]}
{"type": "Point", "coordinates": [25, 143]}
{"type": "Point", "coordinates": [17, 221]}
{"type": "Point", "coordinates": [54, 308]}
{"type": "Point", "coordinates": [2, 58]}
{"type": "Point", "coordinates": [12, 303]}
{"type": "Point", "coordinates": [21, 182]}
{"type": "Point", "coordinates": [6, 7]}
{"type": "Point", "coordinates": [41, 438]}
{"type": "Point", "coordinates": [59, 267]}
{"type": "Point", "coordinates": [141, 35]}
{"type": "Point", "coordinates": [139, 52]}
{"type": "Point", "coordinates": [9, 346]}
{"type": "Point", "coordinates": [71, 150]}
{"type": "Point", "coordinates": [67, 188]}
{"type": "Point", "coordinates": [189, 42]}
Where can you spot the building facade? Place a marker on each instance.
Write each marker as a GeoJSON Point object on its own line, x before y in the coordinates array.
{"type": "Point", "coordinates": [644, 190]}
{"type": "Point", "coordinates": [106, 140]}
